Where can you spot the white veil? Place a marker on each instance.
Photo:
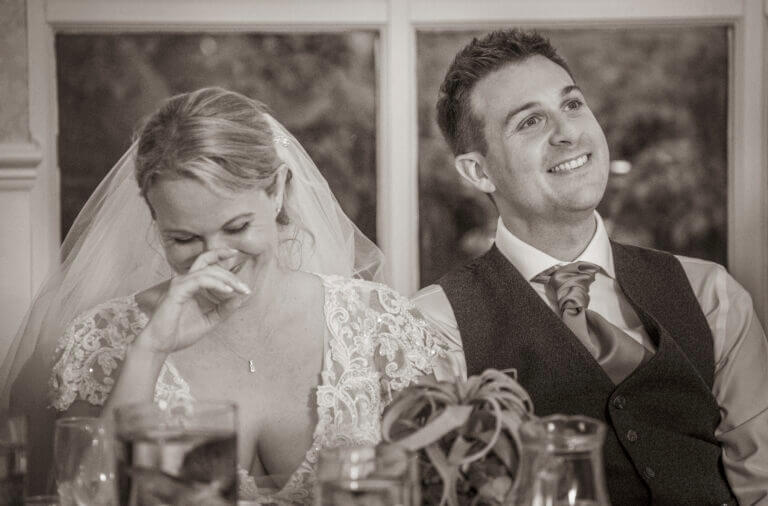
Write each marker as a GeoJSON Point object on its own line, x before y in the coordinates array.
{"type": "Point", "coordinates": [113, 250]}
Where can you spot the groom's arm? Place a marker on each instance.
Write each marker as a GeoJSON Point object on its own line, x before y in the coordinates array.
{"type": "Point", "coordinates": [740, 383]}
{"type": "Point", "coordinates": [433, 304]}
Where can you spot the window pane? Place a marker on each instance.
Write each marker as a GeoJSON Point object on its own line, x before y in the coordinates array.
{"type": "Point", "coordinates": [661, 97]}
{"type": "Point", "coordinates": [320, 86]}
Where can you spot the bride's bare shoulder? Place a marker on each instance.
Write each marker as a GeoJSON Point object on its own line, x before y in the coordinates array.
{"type": "Point", "coordinates": [148, 299]}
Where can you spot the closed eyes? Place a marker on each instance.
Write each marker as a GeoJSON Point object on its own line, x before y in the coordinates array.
{"type": "Point", "coordinates": [238, 229]}
{"type": "Point", "coordinates": [186, 239]}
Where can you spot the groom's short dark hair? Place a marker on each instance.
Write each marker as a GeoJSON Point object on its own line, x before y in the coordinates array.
{"type": "Point", "coordinates": [462, 130]}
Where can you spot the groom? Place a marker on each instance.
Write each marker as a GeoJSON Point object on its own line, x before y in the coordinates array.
{"type": "Point", "coordinates": [665, 350]}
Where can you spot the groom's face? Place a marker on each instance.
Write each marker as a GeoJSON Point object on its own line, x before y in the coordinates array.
{"type": "Point", "coordinates": [547, 155]}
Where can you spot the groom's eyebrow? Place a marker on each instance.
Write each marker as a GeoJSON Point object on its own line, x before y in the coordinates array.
{"type": "Point", "coordinates": [568, 89]}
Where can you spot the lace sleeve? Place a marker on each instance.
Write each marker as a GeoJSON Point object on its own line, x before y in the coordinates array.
{"type": "Point", "coordinates": [405, 345]}
{"type": "Point", "coordinates": [90, 350]}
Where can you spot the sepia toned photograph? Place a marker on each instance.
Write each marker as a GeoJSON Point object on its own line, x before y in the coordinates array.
{"type": "Point", "coordinates": [383, 252]}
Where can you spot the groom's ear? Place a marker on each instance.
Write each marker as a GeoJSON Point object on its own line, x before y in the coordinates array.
{"type": "Point", "coordinates": [473, 168]}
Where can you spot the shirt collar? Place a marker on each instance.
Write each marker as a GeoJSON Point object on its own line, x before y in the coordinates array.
{"type": "Point", "coordinates": [531, 261]}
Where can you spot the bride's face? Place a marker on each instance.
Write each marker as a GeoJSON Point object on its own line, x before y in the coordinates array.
{"type": "Point", "coordinates": [192, 219]}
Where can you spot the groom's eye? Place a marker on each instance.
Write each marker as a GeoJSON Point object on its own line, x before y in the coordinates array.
{"type": "Point", "coordinates": [528, 122]}
{"type": "Point", "coordinates": [574, 104]}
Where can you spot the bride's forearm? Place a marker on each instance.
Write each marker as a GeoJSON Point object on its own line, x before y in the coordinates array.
{"type": "Point", "coordinates": [138, 376]}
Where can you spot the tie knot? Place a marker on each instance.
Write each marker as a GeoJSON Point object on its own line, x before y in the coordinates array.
{"type": "Point", "coordinates": [570, 285]}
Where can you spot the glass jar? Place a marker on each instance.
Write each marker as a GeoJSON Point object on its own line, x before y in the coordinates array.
{"type": "Point", "coordinates": [561, 462]}
{"type": "Point", "coordinates": [385, 475]}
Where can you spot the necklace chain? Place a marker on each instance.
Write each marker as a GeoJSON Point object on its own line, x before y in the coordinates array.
{"type": "Point", "coordinates": [231, 349]}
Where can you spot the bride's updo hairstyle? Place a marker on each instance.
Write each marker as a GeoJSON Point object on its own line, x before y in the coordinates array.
{"type": "Point", "coordinates": [216, 136]}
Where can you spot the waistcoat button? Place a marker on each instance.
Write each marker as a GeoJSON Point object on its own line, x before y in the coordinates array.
{"type": "Point", "coordinates": [632, 435]}
{"type": "Point", "coordinates": [650, 473]}
{"type": "Point", "coordinates": [619, 402]}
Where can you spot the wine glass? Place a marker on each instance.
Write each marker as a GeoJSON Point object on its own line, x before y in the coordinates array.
{"type": "Point", "coordinates": [85, 462]}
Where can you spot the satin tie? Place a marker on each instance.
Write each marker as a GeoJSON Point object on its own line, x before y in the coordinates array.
{"type": "Point", "coordinates": [616, 352]}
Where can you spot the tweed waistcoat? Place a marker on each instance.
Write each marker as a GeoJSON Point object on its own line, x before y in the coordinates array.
{"type": "Point", "coordinates": [660, 446]}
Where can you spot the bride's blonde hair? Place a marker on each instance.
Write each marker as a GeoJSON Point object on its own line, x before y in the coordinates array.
{"type": "Point", "coordinates": [217, 136]}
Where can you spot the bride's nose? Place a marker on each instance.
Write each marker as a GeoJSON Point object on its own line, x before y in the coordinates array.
{"type": "Point", "coordinates": [214, 242]}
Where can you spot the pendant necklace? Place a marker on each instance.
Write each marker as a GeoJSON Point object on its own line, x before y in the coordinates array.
{"type": "Point", "coordinates": [251, 364]}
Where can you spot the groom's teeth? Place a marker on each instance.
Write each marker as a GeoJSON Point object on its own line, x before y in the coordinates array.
{"type": "Point", "coordinates": [570, 164]}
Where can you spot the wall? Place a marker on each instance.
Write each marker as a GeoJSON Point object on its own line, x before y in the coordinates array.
{"type": "Point", "coordinates": [14, 95]}
{"type": "Point", "coordinates": [17, 160]}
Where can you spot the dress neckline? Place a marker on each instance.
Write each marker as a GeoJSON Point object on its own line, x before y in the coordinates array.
{"type": "Point", "coordinates": [312, 454]}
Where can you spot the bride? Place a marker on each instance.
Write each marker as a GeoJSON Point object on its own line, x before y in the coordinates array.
{"type": "Point", "coordinates": [240, 279]}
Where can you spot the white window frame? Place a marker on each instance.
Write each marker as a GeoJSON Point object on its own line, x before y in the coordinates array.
{"type": "Point", "coordinates": [397, 22]}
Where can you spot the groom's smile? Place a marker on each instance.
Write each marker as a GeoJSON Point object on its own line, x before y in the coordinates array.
{"type": "Point", "coordinates": [570, 165]}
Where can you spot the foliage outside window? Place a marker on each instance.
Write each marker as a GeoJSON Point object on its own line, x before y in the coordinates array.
{"type": "Point", "coordinates": [320, 86]}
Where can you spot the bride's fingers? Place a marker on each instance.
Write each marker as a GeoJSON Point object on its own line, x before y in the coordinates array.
{"type": "Point", "coordinates": [212, 257]}
{"type": "Point", "coordinates": [228, 277]}
{"type": "Point", "coordinates": [189, 283]}
{"type": "Point", "coordinates": [211, 298]}
{"type": "Point", "coordinates": [207, 299]}
{"type": "Point", "coordinates": [184, 288]}
{"type": "Point", "coordinates": [223, 310]}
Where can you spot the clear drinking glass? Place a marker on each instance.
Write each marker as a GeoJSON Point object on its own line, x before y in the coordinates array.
{"type": "Point", "coordinates": [182, 455]}
{"type": "Point", "coordinates": [84, 459]}
{"type": "Point", "coordinates": [13, 458]}
{"type": "Point", "coordinates": [384, 475]}
{"type": "Point", "coordinates": [561, 462]}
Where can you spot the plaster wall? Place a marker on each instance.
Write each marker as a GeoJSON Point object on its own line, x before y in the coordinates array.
{"type": "Point", "coordinates": [15, 210]}
{"type": "Point", "coordinates": [14, 94]}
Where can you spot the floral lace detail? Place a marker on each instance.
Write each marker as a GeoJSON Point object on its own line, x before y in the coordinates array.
{"type": "Point", "coordinates": [171, 389]}
{"type": "Point", "coordinates": [90, 349]}
{"type": "Point", "coordinates": [376, 343]}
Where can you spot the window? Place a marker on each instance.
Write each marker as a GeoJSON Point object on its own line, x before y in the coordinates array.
{"type": "Point", "coordinates": [320, 86]}
{"type": "Point", "coordinates": [408, 149]}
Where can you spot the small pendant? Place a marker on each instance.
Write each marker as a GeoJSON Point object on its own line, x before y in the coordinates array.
{"type": "Point", "coordinates": [251, 366]}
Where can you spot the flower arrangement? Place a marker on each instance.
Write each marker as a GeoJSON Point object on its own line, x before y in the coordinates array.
{"type": "Point", "coordinates": [465, 433]}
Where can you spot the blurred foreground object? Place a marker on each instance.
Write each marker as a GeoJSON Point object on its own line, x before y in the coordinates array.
{"type": "Point", "coordinates": [183, 455]}
{"type": "Point", "coordinates": [13, 458]}
{"type": "Point", "coordinates": [562, 462]}
{"type": "Point", "coordinates": [466, 434]}
{"type": "Point", "coordinates": [367, 476]}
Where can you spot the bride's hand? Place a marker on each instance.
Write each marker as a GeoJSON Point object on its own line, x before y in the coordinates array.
{"type": "Point", "coordinates": [193, 304]}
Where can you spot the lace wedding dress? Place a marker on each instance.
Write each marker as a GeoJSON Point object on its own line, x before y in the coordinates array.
{"type": "Point", "coordinates": [376, 343]}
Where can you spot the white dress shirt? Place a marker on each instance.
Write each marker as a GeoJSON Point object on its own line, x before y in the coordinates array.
{"type": "Point", "coordinates": [740, 346]}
